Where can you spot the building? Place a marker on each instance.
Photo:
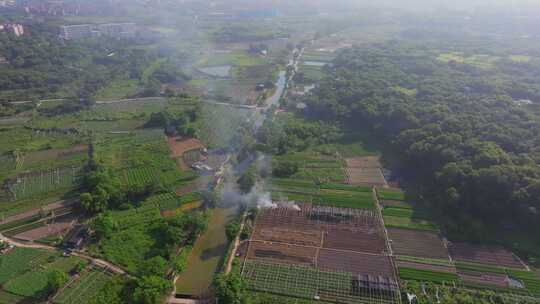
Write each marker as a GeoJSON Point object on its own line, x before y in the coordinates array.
{"type": "Point", "coordinates": [115, 30]}
{"type": "Point", "coordinates": [16, 28]}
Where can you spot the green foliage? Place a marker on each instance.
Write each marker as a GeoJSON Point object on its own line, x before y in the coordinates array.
{"type": "Point", "coordinates": [89, 288]}
{"type": "Point", "coordinates": [111, 293]}
{"type": "Point", "coordinates": [284, 169]}
{"type": "Point", "coordinates": [247, 181]}
{"type": "Point", "coordinates": [287, 133]}
{"type": "Point", "coordinates": [41, 183]}
{"type": "Point", "coordinates": [427, 275]}
{"type": "Point", "coordinates": [155, 266]}
{"type": "Point", "coordinates": [102, 189]}
{"type": "Point", "coordinates": [458, 137]}
{"type": "Point", "coordinates": [42, 66]}
{"type": "Point", "coordinates": [230, 288]}
{"type": "Point", "coordinates": [151, 290]}
{"type": "Point", "coordinates": [390, 194]}
{"type": "Point", "coordinates": [181, 260]}
{"type": "Point", "coordinates": [232, 230]}
{"type": "Point", "coordinates": [104, 225]}
{"type": "Point", "coordinates": [55, 280]}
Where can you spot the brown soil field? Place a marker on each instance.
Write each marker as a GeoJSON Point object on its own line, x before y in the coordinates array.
{"type": "Point", "coordinates": [495, 256]}
{"type": "Point", "coordinates": [179, 146]}
{"type": "Point", "coordinates": [186, 207]}
{"type": "Point", "coordinates": [55, 153]}
{"type": "Point", "coordinates": [308, 216]}
{"type": "Point", "coordinates": [356, 262]}
{"type": "Point", "coordinates": [364, 171]}
{"type": "Point", "coordinates": [369, 240]}
{"type": "Point", "coordinates": [422, 266]}
{"type": "Point", "coordinates": [307, 237]}
{"type": "Point", "coordinates": [363, 162]}
{"type": "Point", "coordinates": [34, 212]}
{"type": "Point", "coordinates": [60, 227]}
{"type": "Point", "coordinates": [493, 279]}
{"type": "Point", "coordinates": [417, 243]}
{"type": "Point", "coordinates": [282, 253]}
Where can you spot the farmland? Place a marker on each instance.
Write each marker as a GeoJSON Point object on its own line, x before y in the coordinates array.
{"type": "Point", "coordinates": [307, 250]}
{"type": "Point", "coordinates": [24, 272]}
{"type": "Point", "coordinates": [417, 243]}
{"type": "Point", "coordinates": [30, 185]}
{"type": "Point", "coordinates": [365, 171]}
{"type": "Point", "coordinates": [337, 195]}
{"type": "Point", "coordinates": [83, 288]}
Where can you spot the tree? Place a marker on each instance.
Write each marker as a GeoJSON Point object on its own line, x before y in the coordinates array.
{"type": "Point", "coordinates": [247, 181]}
{"type": "Point", "coordinates": [230, 288]}
{"type": "Point", "coordinates": [155, 266]}
{"type": "Point", "coordinates": [210, 198]}
{"type": "Point", "coordinates": [150, 290]}
{"type": "Point", "coordinates": [285, 169]}
{"type": "Point", "coordinates": [232, 230]}
{"type": "Point", "coordinates": [104, 225]}
{"type": "Point", "coordinates": [55, 280]}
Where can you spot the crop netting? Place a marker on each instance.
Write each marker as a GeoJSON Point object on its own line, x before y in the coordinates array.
{"type": "Point", "coordinates": [312, 283]}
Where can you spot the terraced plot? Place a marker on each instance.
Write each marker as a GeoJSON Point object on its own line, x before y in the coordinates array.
{"type": "Point", "coordinates": [417, 243]}
{"type": "Point", "coordinates": [37, 183]}
{"type": "Point", "coordinates": [365, 171]}
{"type": "Point", "coordinates": [81, 289]}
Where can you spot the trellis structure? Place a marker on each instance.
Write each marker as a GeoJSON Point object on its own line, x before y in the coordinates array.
{"type": "Point", "coordinates": [312, 283]}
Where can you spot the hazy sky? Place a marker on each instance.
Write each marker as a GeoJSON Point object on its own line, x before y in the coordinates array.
{"type": "Point", "coordinates": [451, 4]}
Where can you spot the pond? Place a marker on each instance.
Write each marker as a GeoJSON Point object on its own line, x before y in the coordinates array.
{"type": "Point", "coordinates": [217, 71]}
{"type": "Point", "coordinates": [207, 255]}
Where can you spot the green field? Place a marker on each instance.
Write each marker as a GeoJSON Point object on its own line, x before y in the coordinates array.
{"type": "Point", "coordinates": [390, 194]}
{"type": "Point", "coordinates": [409, 223]}
{"type": "Point", "coordinates": [24, 272]}
{"type": "Point", "coordinates": [427, 275]}
{"type": "Point", "coordinates": [477, 60]}
{"type": "Point", "coordinates": [337, 195]}
{"type": "Point", "coordinates": [84, 288]}
{"type": "Point", "coordinates": [44, 182]}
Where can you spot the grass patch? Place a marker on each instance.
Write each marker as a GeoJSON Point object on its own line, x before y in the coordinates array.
{"type": "Point", "coordinates": [409, 223]}
{"type": "Point", "coordinates": [479, 60]}
{"type": "Point", "coordinates": [470, 267]}
{"type": "Point", "coordinates": [82, 290]}
{"type": "Point", "coordinates": [520, 58]}
{"type": "Point", "coordinates": [118, 89]}
{"type": "Point", "coordinates": [390, 194]}
{"type": "Point", "coordinates": [422, 275]}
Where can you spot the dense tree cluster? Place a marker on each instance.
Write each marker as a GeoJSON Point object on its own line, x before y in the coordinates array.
{"type": "Point", "coordinates": [471, 151]}
{"type": "Point", "coordinates": [283, 134]}
{"type": "Point", "coordinates": [42, 66]}
{"type": "Point", "coordinates": [180, 122]}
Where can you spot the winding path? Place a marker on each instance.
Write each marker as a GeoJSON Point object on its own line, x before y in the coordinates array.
{"type": "Point", "coordinates": [98, 262]}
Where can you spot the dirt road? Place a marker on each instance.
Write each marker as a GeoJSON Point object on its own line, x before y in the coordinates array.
{"type": "Point", "coordinates": [98, 262]}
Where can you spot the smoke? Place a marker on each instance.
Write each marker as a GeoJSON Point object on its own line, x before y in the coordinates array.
{"type": "Point", "coordinates": [257, 197]}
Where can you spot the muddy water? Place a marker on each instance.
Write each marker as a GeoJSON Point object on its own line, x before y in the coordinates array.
{"type": "Point", "coordinates": [207, 255]}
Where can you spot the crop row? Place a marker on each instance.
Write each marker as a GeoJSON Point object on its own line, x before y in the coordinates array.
{"type": "Point", "coordinates": [390, 194]}
{"type": "Point", "coordinates": [139, 176]}
{"type": "Point", "coordinates": [427, 275]}
{"type": "Point", "coordinates": [19, 261]}
{"type": "Point", "coordinates": [82, 290]}
{"type": "Point", "coordinates": [295, 281]}
{"type": "Point", "coordinates": [31, 185]}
